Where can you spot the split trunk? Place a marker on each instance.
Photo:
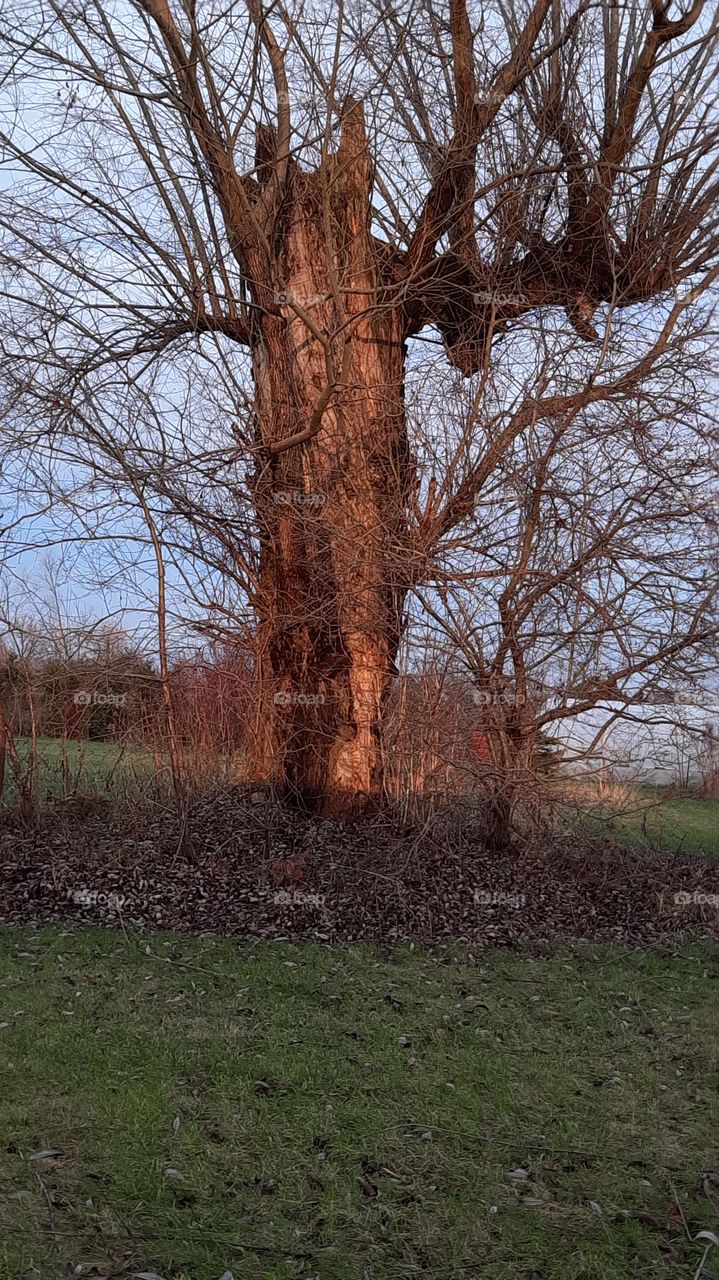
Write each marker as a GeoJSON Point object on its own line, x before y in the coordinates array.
{"type": "Point", "coordinates": [331, 505]}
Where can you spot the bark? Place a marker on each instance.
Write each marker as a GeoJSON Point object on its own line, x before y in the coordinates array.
{"type": "Point", "coordinates": [331, 506]}
{"type": "Point", "coordinates": [513, 783]}
{"type": "Point", "coordinates": [3, 741]}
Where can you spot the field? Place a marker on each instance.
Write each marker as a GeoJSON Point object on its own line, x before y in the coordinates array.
{"type": "Point", "coordinates": [98, 768]}
{"type": "Point", "coordinates": [187, 1109]}
{"type": "Point", "coordinates": [645, 816]}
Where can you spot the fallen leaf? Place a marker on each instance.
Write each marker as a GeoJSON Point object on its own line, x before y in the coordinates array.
{"type": "Point", "coordinates": [518, 1175]}
{"type": "Point", "coordinates": [50, 1154]}
{"type": "Point", "coordinates": [265, 1088]}
{"type": "Point", "coordinates": [174, 1175]}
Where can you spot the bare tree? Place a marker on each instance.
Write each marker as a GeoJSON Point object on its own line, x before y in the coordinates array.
{"type": "Point", "coordinates": [597, 579]}
{"type": "Point", "coordinates": [294, 195]}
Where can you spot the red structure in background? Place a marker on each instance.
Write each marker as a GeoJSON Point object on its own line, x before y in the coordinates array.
{"type": "Point", "coordinates": [75, 719]}
{"type": "Point", "coordinates": [481, 746]}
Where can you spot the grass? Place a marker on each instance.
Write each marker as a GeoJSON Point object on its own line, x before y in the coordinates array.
{"type": "Point", "coordinates": [347, 1115]}
{"type": "Point", "coordinates": [649, 815]}
{"type": "Point", "coordinates": [66, 766]}
{"type": "Point", "coordinates": [107, 769]}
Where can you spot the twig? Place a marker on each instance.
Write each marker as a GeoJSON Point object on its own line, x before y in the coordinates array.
{"type": "Point", "coordinates": [681, 1211]}
{"type": "Point", "coordinates": [50, 1212]}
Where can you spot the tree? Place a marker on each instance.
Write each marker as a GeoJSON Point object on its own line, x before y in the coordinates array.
{"type": "Point", "coordinates": [317, 189]}
{"type": "Point", "coordinates": [598, 579]}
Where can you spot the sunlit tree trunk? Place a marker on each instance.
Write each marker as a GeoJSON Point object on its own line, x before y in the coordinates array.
{"type": "Point", "coordinates": [331, 507]}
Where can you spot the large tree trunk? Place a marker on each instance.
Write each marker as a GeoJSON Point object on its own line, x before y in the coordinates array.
{"type": "Point", "coordinates": [332, 507]}
{"type": "Point", "coordinates": [3, 740]}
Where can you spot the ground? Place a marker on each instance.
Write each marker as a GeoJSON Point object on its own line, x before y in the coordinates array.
{"type": "Point", "coordinates": [640, 816]}
{"type": "Point", "coordinates": [646, 815]}
{"type": "Point", "coordinates": [102, 768]}
{"type": "Point", "coordinates": [256, 1045]}
{"type": "Point", "coordinates": [243, 869]}
{"type": "Point", "coordinates": [190, 1108]}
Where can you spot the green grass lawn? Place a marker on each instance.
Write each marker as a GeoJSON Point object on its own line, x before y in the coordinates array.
{"type": "Point", "coordinates": [106, 769]}
{"type": "Point", "coordinates": [89, 767]}
{"type": "Point", "coordinates": [288, 1111]}
{"type": "Point", "coordinates": [655, 815]}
